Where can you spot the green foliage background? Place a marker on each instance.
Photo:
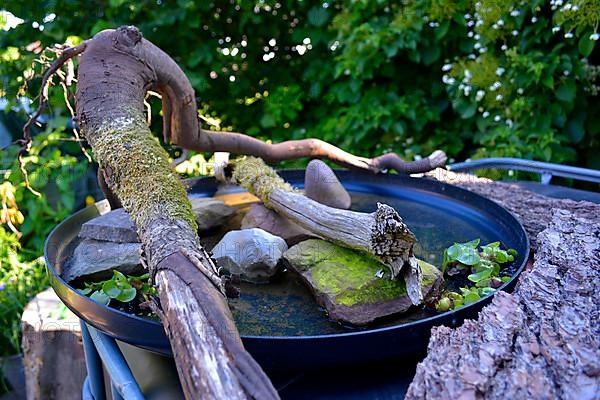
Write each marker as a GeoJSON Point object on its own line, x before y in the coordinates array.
{"type": "Point", "coordinates": [370, 79]}
{"type": "Point", "coordinates": [476, 79]}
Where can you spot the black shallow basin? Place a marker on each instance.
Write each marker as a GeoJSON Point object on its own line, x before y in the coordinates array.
{"type": "Point", "coordinates": [430, 207]}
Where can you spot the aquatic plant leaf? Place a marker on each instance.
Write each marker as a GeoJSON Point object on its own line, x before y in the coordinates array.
{"type": "Point", "coordinates": [127, 295]}
{"type": "Point", "coordinates": [100, 297]}
{"type": "Point", "coordinates": [85, 291]}
{"type": "Point", "coordinates": [479, 276]}
{"type": "Point", "coordinates": [111, 289]}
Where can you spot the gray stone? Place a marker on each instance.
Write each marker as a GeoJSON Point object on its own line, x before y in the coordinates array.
{"type": "Point", "coordinates": [99, 258]}
{"type": "Point", "coordinates": [211, 213]}
{"type": "Point", "coordinates": [352, 286]}
{"type": "Point", "coordinates": [114, 226]}
{"type": "Point", "coordinates": [258, 216]}
{"type": "Point", "coordinates": [251, 253]}
{"type": "Point", "coordinates": [322, 185]}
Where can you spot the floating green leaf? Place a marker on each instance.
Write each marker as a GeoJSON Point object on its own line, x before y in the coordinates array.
{"type": "Point", "coordinates": [485, 265]}
{"type": "Point", "coordinates": [479, 276]}
{"type": "Point", "coordinates": [127, 295]}
{"type": "Point", "coordinates": [99, 297]}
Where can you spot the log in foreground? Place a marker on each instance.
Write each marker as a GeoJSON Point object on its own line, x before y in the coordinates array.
{"type": "Point", "coordinates": [382, 233]}
{"type": "Point", "coordinates": [114, 73]}
{"type": "Point", "coordinates": [541, 341]}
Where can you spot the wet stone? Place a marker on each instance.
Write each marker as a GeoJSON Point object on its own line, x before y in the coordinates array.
{"type": "Point", "coordinates": [114, 226]}
{"type": "Point", "coordinates": [211, 213]}
{"type": "Point", "coordinates": [258, 216]}
{"type": "Point", "coordinates": [322, 185]}
{"type": "Point", "coordinates": [254, 254]}
{"type": "Point", "coordinates": [99, 258]}
{"type": "Point", "coordinates": [352, 286]}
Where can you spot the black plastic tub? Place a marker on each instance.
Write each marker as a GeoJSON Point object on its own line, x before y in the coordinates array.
{"type": "Point", "coordinates": [457, 214]}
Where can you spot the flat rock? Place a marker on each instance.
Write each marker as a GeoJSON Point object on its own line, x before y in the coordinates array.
{"type": "Point", "coordinates": [114, 226]}
{"type": "Point", "coordinates": [251, 253]}
{"type": "Point", "coordinates": [322, 185]}
{"type": "Point", "coordinates": [211, 213]}
{"type": "Point", "coordinates": [346, 283]}
{"type": "Point", "coordinates": [258, 216]}
{"type": "Point", "coordinates": [99, 258]}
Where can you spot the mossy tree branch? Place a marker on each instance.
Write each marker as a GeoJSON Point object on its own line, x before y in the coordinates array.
{"type": "Point", "coordinates": [114, 73]}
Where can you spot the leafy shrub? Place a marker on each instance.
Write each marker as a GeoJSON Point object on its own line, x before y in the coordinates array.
{"type": "Point", "coordinates": [28, 218]}
{"type": "Point", "coordinates": [474, 78]}
{"type": "Point", "coordinates": [19, 281]}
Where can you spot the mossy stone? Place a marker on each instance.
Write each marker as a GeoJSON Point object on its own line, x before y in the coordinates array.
{"type": "Point", "coordinates": [349, 283]}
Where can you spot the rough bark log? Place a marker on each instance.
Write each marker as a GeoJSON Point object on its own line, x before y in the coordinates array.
{"type": "Point", "coordinates": [382, 233]}
{"type": "Point", "coordinates": [543, 340]}
{"type": "Point", "coordinates": [114, 73]}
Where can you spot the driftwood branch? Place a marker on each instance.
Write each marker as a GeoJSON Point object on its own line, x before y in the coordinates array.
{"type": "Point", "coordinates": [542, 341]}
{"type": "Point", "coordinates": [238, 143]}
{"type": "Point", "coordinates": [114, 73]}
{"type": "Point", "coordinates": [382, 233]}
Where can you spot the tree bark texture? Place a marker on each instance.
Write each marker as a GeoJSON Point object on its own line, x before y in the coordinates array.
{"type": "Point", "coordinates": [53, 357]}
{"type": "Point", "coordinates": [115, 71]}
{"type": "Point", "coordinates": [543, 340]}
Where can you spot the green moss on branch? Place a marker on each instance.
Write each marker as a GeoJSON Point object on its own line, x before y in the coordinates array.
{"type": "Point", "coordinates": [258, 178]}
{"type": "Point", "coordinates": [139, 172]}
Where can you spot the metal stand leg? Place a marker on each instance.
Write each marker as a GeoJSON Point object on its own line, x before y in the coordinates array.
{"type": "Point", "coordinates": [115, 392]}
{"type": "Point", "coordinates": [95, 378]}
{"type": "Point", "coordinates": [122, 380]}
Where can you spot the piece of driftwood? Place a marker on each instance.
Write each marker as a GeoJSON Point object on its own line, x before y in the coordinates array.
{"type": "Point", "coordinates": [116, 69]}
{"type": "Point", "coordinates": [543, 340]}
{"type": "Point", "coordinates": [53, 356]}
{"type": "Point", "coordinates": [382, 233]}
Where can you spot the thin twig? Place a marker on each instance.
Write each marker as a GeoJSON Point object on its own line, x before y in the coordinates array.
{"type": "Point", "coordinates": [25, 142]}
{"type": "Point", "coordinates": [72, 112]}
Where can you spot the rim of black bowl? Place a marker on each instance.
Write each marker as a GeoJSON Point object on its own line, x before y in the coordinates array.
{"type": "Point", "coordinates": [485, 299]}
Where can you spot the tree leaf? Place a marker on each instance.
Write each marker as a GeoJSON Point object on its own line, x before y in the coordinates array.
{"type": "Point", "coordinates": [576, 129]}
{"type": "Point", "coordinates": [566, 91]}
{"type": "Point", "coordinates": [318, 16]}
{"type": "Point", "coordinates": [430, 54]}
{"type": "Point", "coordinates": [267, 121]}
{"type": "Point", "coordinates": [586, 45]}
{"type": "Point", "coordinates": [548, 81]}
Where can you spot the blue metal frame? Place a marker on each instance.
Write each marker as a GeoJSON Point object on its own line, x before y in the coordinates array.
{"type": "Point", "coordinates": [102, 353]}
{"type": "Point", "coordinates": [546, 170]}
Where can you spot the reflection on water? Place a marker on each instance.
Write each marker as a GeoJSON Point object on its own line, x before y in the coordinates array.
{"type": "Point", "coordinates": [286, 308]}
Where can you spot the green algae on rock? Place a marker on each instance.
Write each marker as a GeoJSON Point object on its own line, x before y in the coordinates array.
{"type": "Point", "coordinates": [351, 285]}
